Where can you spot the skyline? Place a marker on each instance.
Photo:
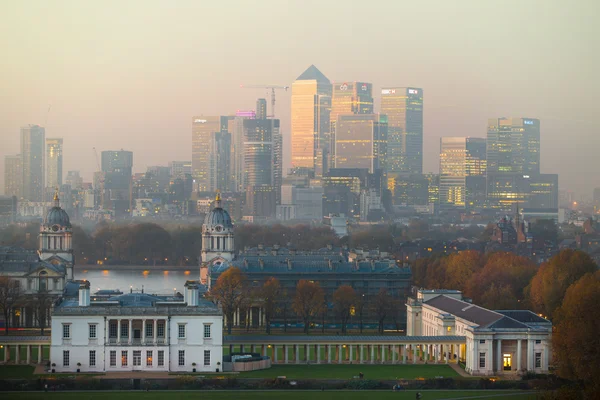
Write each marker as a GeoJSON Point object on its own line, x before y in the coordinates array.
{"type": "Point", "coordinates": [112, 86]}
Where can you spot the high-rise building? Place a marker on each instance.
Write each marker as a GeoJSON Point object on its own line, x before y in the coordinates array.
{"type": "Point", "coordinates": [513, 146]}
{"type": "Point", "coordinates": [311, 103]}
{"type": "Point", "coordinates": [360, 141]}
{"type": "Point", "coordinates": [179, 169]}
{"type": "Point", "coordinates": [211, 146]}
{"type": "Point", "coordinates": [117, 169]}
{"type": "Point", "coordinates": [236, 154]}
{"type": "Point", "coordinates": [404, 108]}
{"type": "Point", "coordinates": [261, 109]}
{"type": "Point", "coordinates": [33, 143]}
{"type": "Point", "coordinates": [13, 176]}
{"type": "Point", "coordinates": [513, 163]}
{"type": "Point", "coordinates": [460, 158]}
{"type": "Point", "coordinates": [351, 98]}
{"type": "Point", "coordinates": [54, 162]}
{"type": "Point", "coordinates": [74, 180]}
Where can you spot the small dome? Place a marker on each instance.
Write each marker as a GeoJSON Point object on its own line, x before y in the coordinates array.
{"type": "Point", "coordinates": [57, 216]}
{"type": "Point", "coordinates": [218, 216]}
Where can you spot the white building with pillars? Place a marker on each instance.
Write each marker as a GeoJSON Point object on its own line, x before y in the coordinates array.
{"type": "Point", "coordinates": [497, 342]}
{"type": "Point", "coordinates": [136, 332]}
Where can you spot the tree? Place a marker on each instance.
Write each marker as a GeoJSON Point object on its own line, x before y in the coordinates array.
{"type": "Point", "coordinates": [271, 294]}
{"type": "Point", "coordinates": [501, 282]}
{"type": "Point", "coordinates": [308, 302]}
{"type": "Point", "coordinates": [575, 342]}
{"type": "Point", "coordinates": [344, 299]}
{"type": "Point", "coordinates": [460, 267]}
{"type": "Point", "coordinates": [549, 285]}
{"type": "Point", "coordinates": [42, 304]}
{"type": "Point", "coordinates": [382, 305]}
{"type": "Point", "coordinates": [10, 295]}
{"type": "Point", "coordinates": [230, 291]}
{"type": "Point", "coordinates": [361, 302]}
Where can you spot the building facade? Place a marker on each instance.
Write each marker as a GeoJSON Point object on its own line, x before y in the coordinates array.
{"type": "Point", "coordinates": [13, 176]}
{"type": "Point", "coordinates": [33, 143]}
{"type": "Point", "coordinates": [311, 104]}
{"type": "Point", "coordinates": [404, 109]}
{"type": "Point", "coordinates": [54, 162]}
{"type": "Point", "coordinates": [135, 332]}
{"type": "Point", "coordinates": [360, 141]}
{"type": "Point", "coordinates": [504, 342]}
{"type": "Point", "coordinates": [211, 146]}
{"type": "Point", "coordinates": [117, 168]}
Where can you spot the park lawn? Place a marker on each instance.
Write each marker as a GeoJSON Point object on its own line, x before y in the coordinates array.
{"type": "Point", "coordinates": [347, 371]}
{"type": "Point", "coordinates": [16, 371]}
{"type": "Point", "coordinates": [276, 395]}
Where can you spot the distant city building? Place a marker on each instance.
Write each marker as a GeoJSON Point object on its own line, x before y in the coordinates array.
{"type": "Point", "coordinates": [13, 176]}
{"type": "Point", "coordinates": [211, 151]}
{"type": "Point", "coordinates": [54, 162]}
{"type": "Point", "coordinates": [261, 109]}
{"type": "Point", "coordinates": [117, 169]}
{"type": "Point", "coordinates": [360, 141]}
{"type": "Point", "coordinates": [8, 209]}
{"type": "Point", "coordinates": [351, 98]}
{"type": "Point", "coordinates": [409, 189]}
{"type": "Point", "coordinates": [342, 189]}
{"type": "Point", "coordinates": [460, 159]}
{"type": "Point", "coordinates": [74, 179]}
{"type": "Point", "coordinates": [33, 144]}
{"type": "Point", "coordinates": [301, 202]}
{"type": "Point", "coordinates": [179, 169]}
{"type": "Point", "coordinates": [311, 104]}
{"type": "Point", "coordinates": [235, 127]}
{"type": "Point", "coordinates": [404, 109]}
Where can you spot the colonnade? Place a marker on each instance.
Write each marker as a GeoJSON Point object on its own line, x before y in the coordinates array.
{"type": "Point", "coordinates": [367, 352]}
{"type": "Point", "coordinates": [154, 338]}
{"type": "Point", "coordinates": [17, 347]}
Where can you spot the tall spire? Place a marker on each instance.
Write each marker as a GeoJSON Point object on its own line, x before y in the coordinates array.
{"type": "Point", "coordinates": [56, 199]}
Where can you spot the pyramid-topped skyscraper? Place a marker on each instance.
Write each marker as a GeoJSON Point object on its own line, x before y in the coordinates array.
{"type": "Point", "coordinates": [311, 104]}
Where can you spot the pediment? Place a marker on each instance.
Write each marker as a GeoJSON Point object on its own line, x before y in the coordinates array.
{"type": "Point", "coordinates": [48, 268]}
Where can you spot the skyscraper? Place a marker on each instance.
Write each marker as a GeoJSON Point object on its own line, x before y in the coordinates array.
{"type": "Point", "coordinates": [404, 108]}
{"type": "Point", "coordinates": [360, 141]}
{"type": "Point", "coordinates": [513, 146]}
{"type": "Point", "coordinates": [351, 98]}
{"type": "Point", "coordinates": [211, 144]}
{"type": "Point", "coordinates": [13, 176]}
{"type": "Point", "coordinates": [311, 102]}
{"type": "Point", "coordinates": [117, 168]}
{"type": "Point", "coordinates": [33, 141]}
{"type": "Point", "coordinates": [236, 155]}
{"type": "Point", "coordinates": [54, 162]}
{"type": "Point", "coordinates": [261, 109]}
{"type": "Point", "coordinates": [460, 159]}
{"type": "Point", "coordinates": [179, 169]}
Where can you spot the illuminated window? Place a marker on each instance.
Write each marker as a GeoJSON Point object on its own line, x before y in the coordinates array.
{"type": "Point", "coordinates": [149, 358]}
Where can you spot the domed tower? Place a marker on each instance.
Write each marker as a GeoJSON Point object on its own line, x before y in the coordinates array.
{"type": "Point", "coordinates": [217, 239]}
{"type": "Point", "coordinates": [56, 238]}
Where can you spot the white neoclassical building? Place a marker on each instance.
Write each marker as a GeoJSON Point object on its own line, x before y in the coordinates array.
{"type": "Point", "coordinates": [136, 331]}
{"type": "Point", "coordinates": [497, 342]}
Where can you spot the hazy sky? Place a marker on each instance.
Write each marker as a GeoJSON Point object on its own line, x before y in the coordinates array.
{"type": "Point", "coordinates": [131, 74]}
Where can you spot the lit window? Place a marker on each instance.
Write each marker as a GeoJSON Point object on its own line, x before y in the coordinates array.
{"type": "Point", "coordinates": [149, 358]}
{"type": "Point", "coordinates": [124, 358]}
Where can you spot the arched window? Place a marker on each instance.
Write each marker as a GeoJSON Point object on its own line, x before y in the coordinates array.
{"type": "Point", "coordinates": [43, 281]}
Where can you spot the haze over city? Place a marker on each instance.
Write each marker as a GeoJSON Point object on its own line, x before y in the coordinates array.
{"type": "Point", "coordinates": [132, 74]}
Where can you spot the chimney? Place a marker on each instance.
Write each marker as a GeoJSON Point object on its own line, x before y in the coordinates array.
{"type": "Point", "coordinates": [373, 265]}
{"type": "Point", "coordinates": [191, 293]}
{"type": "Point", "coordinates": [84, 293]}
{"type": "Point", "coordinates": [261, 263]}
{"type": "Point", "coordinates": [330, 264]}
{"type": "Point", "coordinates": [289, 264]}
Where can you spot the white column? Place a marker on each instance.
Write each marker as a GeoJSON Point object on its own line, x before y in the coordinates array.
{"type": "Point", "coordinates": [130, 327]}
{"type": "Point", "coordinates": [118, 330]}
{"type": "Point", "coordinates": [285, 352]}
{"type": "Point", "coordinates": [340, 351]}
{"type": "Point", "coordinates": [17, 354]}
{"type": "Point", "coordinates": [475, 356]}
{"type": "Point", "coordinates": [372, 354]}
{"type": "Point", "coordinates": [351, 353]}
{"type": "Point", "coordinates": [260, 316]}
{"type": "Point", "coordinates": [437, 352]}
{"type": "Point", "coordinates": [28, 355]}
{"type": "Point", "coordinates": [362, 353]}
{"type": "Point", "coordinates": [414, 354]}
{"type": "Point", "coordinates": [403, 354]}
{"type": "Point", "coordinates": [382, 353]}
{"type": "Point", "coordinates": [448, 353]}
{"type": "Point", "coordinates": [318, 354]}
{"type": "Point", "coordinates": [329, 354]}
{"type": "Point", "coordinates": [545, 357]}
{"type": "Point", "coordinates": [39, 354]}
{"type": "Point", "coordinates": [106, 331]}
{"type": "Point", "coordinates": [6, 353]}
{"type": "Point", "coordinates": [529, 355]}
{"type": "Point", "coordinates": [155, 328]}
{"type": "Point", "coordinates": [518, 355]}
{"type": "Point", "coordinates": [143, 331]}
{"type": "Point", "coordinates": [296, 354]}
{"type": "Point", "coordinates": [499, 355]}
{"type": "Point", "coordinates": [394, 354]}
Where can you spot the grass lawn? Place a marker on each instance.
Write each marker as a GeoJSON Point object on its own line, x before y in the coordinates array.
{"type": "Point", "coordinates": [289, 395]}
{"type": "Point", "coordinates": [16, 371]}
{"type": "Point", "coordinates": [347, 371]}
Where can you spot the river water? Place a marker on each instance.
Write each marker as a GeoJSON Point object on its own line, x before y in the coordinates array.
{"type": "Point", "coordinates": [159, 280]}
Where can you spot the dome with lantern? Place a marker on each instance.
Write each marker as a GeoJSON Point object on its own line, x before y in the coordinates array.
{"type": "Point", "coordinates": [218, 218]}
{"type": "Point", "coordinates": [57, 218]}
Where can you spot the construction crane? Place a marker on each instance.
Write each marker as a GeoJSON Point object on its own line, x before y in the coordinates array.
{"type": "Point", "coordinates": [272, 87]}
{"type": "Point", "coordinates": [100, 179]}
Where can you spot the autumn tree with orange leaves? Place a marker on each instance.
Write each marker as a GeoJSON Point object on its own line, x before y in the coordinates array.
{"type": "Point", "coordinates": [308, 302]}
{"type": "Point", "coordinates": [344, 298]}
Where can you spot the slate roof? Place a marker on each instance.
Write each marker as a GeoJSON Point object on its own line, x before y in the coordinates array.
{"type": "Point", "coordinates": [525, 316]}
{"type": "Point", "coordinates": [506, 323]}
{"type": "Point", "coordinates": [313, 73]}
{"type": "Point", "coordinates": [17, 259]}
{"type": "Point", "coordinates": [467, 311]}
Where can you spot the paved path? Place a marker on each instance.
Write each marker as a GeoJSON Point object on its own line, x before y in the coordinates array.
{"type": "Point", "coordinates": [459, 370]}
